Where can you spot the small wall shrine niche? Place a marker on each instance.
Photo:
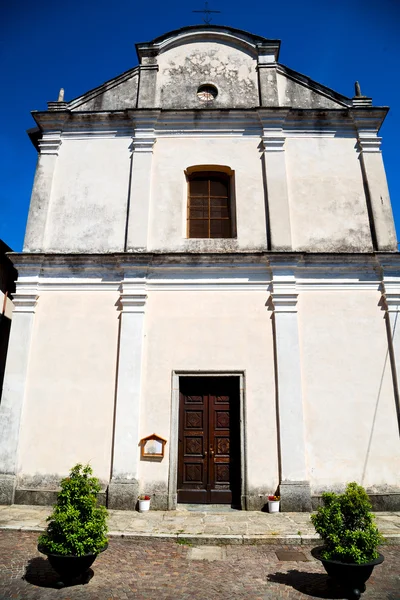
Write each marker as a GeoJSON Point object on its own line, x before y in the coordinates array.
{"type": "Point", "coordinates": [152, 447]}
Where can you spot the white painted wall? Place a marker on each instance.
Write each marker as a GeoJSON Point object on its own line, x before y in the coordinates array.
{"type": "Point", "coordinates": [69, 403]}
{"type": "Point", "coordinates": [327, 201]}
{"type": "Point", "coordinates": [349, 407]}
{"type": "Point", "coordinates": [168, 211]}
{"type": "Point", "coordinates": [88, 206]}
{"type": "Point", "coordinates": [211, 331]}
{"type": "Point", "coordinates": [89, 195]}
{"type": "Point", "coordinates": [350, 421]}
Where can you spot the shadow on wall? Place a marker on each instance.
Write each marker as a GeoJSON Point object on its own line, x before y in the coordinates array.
{"type": "Point", "coordinates": [389, 354]}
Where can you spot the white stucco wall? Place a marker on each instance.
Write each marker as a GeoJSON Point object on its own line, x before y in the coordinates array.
{"type": "Point", "coordinates": [69, 403]}
{"type": "Point", "coordinates": [87, 211]}
{"type": "Point", "coordinates": [183, 69]}
{"type": "Point", "coordinates": [88, 204]}
{"type": "Point", "coordinates": [168, 210]}
{"type": "Point", "coordinates": [211, 331]}
{"type": "Point", "coordinates": [349, 406]}
{"type": "Point", "coordinates": [328, 208]}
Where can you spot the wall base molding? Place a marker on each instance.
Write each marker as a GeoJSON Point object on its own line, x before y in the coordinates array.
{"type": "Point", "coordinates": [295, 496]}
{"type": "Point", "coordinates": [7, 488]}
{"type": "Point", "coordinates": [122, 495]}
{"type": "Point", "coordinates": [380, 502]}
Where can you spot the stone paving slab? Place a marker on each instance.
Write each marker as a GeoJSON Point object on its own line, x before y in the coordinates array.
{"type": "Point", "coordinates": [244, 527]}
{"type": "Point", "coordinates": [133, 569]}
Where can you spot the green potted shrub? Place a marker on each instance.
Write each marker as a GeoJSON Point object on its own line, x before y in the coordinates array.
{"type": "Point", "coordinates": [77, 527]}
{"type": "Point", "coordinates": [351, 538]}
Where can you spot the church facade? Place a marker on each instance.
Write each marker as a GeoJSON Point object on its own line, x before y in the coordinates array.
{"type": "Point", "coordinates": [210, 257]}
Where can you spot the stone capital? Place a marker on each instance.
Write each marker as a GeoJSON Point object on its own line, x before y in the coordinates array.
{"type": "Point", "coordinates": [133, 297]}
{"type": "Point", "coordinates": [392, 297]}
{"type": "Point", "coordinates": [25, 302]}
{"type": "Point", "coordinates": [273, 141]}
{"type": "Point", "coordinates": [284, 293]}
{"type": "Point", "coordinates": [369, 142]}
{"type": "Point", "coordinates": [144, 136]}
{"type": "Point", "coordinates": [50, 143]}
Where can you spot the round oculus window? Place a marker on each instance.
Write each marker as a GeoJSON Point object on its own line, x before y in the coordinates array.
{"type": "Point", "coordinates": [207, 93]}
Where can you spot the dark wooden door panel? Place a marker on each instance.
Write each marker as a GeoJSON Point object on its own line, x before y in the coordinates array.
{"type": "Point", "coordinates": [209, 456]}
{"type": "Point", "coordinates": [219, 416]}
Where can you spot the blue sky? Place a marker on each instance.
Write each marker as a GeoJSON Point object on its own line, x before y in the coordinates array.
{"type": "Point", "coordinates": [45, 45]}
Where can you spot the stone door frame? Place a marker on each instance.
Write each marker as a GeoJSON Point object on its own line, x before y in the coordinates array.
{"type": "Point", "coordinates": [174, 432]}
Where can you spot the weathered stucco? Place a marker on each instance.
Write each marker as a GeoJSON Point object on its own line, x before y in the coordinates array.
{"type": "Point", "coordinates": [230, 70]}
{"type": "Point", "coordinates": [297, 95]}
{"type": "Point", "coordinates": [121, 96]}
{"type": "Point", "coordinates": [89, 196]}
{"type": "Point", "coordinates": [168, 209]}
{"type": "Point", "coordinates": [327, 200]}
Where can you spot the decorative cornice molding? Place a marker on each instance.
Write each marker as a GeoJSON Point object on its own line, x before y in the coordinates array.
{"type": "Point", "coordinates": [290, 273]}
{"type": "Point", "coordinates": [267, 122]}
{"type": "Point", "coordinates": [144, 136]}
{"type": "Point", "coordinates": [361, 101]}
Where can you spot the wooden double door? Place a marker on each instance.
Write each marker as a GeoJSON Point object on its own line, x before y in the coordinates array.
{"type": "Point", "coordinates": [209, 441]}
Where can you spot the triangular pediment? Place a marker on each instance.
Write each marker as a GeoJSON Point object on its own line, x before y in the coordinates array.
{"type": "Point", "coordinates": [296, 90]}
{"type": "Point", "coordinates": [116, 94]}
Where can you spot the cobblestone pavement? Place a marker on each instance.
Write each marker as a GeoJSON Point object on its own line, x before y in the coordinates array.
{"type": "Point", "coordinates": [167, 570]}
{"type": "Point", "coordinates": [229, 525]}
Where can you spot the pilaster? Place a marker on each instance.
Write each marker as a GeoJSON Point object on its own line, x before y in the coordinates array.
{"type": "Point", "coordinates": [277, 201]}
{"type": "Point", "coordinates": [391, 292]}
{"type": "Point", "coordinates": [294, 486]}
{"type": "Point", "coordinates": [14, 386]}
{"type": "Point", "coordinates": [267, 56]}
{"type": "Point", "coordinates": [267, 80]}
{"type": "Point", "coordinates": [49, 146]}
{"type": "Point", "coordinates": [373, 171]}
{"type": "Point", "coordinates": [140, 182]}
{"type": "Point", "coordinates": [147, 79]}
{"type": "Point", "coordinates": [124, 485]}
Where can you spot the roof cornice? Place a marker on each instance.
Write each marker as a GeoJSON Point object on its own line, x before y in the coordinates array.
{"type": "Point", "coordinates": [249, 42]}
{"type": "Point", "coordinates": [233, 121]}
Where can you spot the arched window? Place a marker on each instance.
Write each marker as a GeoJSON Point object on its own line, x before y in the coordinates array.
{"type": "Point", "coordinates": [209, 204]}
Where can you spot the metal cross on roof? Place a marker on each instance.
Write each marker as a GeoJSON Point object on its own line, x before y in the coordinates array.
{"type": "Point", "coordinates": [207, 19]}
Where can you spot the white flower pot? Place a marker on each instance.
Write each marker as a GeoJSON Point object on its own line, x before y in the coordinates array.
{"type": "Point", "coordinates": [273, 506]}
{"type": "Point", "coordinates": [144, 505]}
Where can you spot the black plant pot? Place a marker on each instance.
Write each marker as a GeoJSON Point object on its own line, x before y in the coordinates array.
{"type": "Point", "coordinates": [69, 566]}
{"type": "Point", "coordinates": [350, 576]}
